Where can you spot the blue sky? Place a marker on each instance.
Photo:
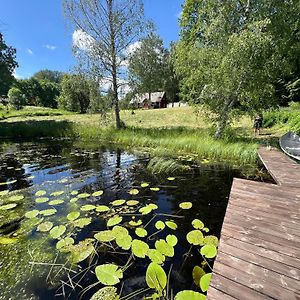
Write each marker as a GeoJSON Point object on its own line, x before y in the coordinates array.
{"type": "Point", "coordinates": [39, 32]}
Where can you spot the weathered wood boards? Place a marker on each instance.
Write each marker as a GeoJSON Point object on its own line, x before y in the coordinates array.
{"type": "Point", "coordinates": [259, 251]}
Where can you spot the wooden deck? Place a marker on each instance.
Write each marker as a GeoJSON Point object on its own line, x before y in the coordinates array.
{"type": "Point", "coordinates": [259, 251]}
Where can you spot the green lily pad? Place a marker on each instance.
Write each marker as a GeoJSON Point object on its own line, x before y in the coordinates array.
{"type": "Point", "coordinates": [114, 221]}
{"type": "Point", "coordinates": [82, 222]}
{"type": "Point", "coordinates": [186, 205]}
{"type": "Point", "coordinates": [105, 236]}
{"type": "Point", "coordinates": [132, 202]}
{"type": "Point", "coordinates": [195, 237]}
{"type": "Point", "coordinates": [74, 193]}
{"type": "Point", "coordinates": [171, 178]}
{"type": "Point", "coordinates": [133, 192]}
{"type": "Point", "coordinates": [57, 193]}
{"type": "Point", "coordinates": [102, 208]}
{"type": "Point", "coordinates": [40, 193]}
{"type": "Point", "coordinates": [4, 193]}
{"type": "Point", "coordinates": [16, 198]}
{"type": "Point", "coordinates": [118, 202]}
{"type": "Point", "coordinates": [72, 216]}
{"type": "Point", "coordinates": [205, 229]}
{"type": "Point", "coordinates": [144, 184]}
{"type": "Point", "coordinates": [211, 240]}
{"type": "Point", "coordinates": [209, 251]}
{"type": "Point", "coordinates": [87, 207]}
{"type": "Point", "coordinates": [32, 214]}
{"type": "Point", "coordinates": [57, 231]}
{"type": "Point", "coordinates": [198, 272]}
{"type": "Point", "coordinates": [189, 295]}
{"type": "Point", "coordinates": [97, 194]}
{"type": "Point", "coordinates": [145, 210]}
{"type": "Point", "coordinates": [139, 248]}
{"type": "Point", "coordinates": [124, 242]}
{"type": "Point", "coordinates": [164, 248]}
{"type": "Point", "coordinates": [160, 225]}
{"type": "Point", "coordinates": [81, 251]}
{"type": "Point", "coordinates": [64, 243]}
{"type": "Point", "coordinates": [156, 256]}
{"type": "Point", "coordinates": [172, 240]}
{"type": "Point", "coordinates": [83, 195]}
{"type": "Point", "coordinates": [48, 212]}
{"type": "Point", "coordinates": [156, 277]}
{"type": "Point", "coordinates": [155, 189]}
{"type": "Point", "coordinates": [197, 224]}
{"type": "Point", "coordinates": [141, 232]}
{"type": "Point", "coordinates": [119, 231]}
{"type": "Point", "coordinates": [205, 281]}
{"type": "Point", "coordinates": [106, 293]}
{"type": "Point", "coordinates": [109, 274]}
{"type": "Point", "coordinates": [45, 226]}
{"type": "Point", "coordinates": [171, 224]}
{"type": "Point", "coordinates": [8, 206]}
{"type": "Point", "coordinates": [56, 202]}
{"type": "Point", "coordinates": [135, 223]}
{"type": "Point", "coordinates": [7, 240]}
{"type": "Point", "coordinates": [73, 200]}
{"type": "Point", "coordinates": [41, 199]}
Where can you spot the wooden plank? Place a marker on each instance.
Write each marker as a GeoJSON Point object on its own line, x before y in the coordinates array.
{"type": "Point", "coordinates": [217, 294]}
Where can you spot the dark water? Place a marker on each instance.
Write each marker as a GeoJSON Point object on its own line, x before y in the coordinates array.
{"type": "Point", "coordinates": [25, 270]}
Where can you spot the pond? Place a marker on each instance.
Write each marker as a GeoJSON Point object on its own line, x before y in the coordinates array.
{"type": "Point", "coordinates": [74, 218]}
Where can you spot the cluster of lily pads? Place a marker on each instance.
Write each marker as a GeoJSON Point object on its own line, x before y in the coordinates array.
{"type": "Point", "coordinates": [125, 232]}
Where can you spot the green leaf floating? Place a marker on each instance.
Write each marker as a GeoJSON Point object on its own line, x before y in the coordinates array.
{"type": "Point", "coordinates": [141, 232]}
{"type": "Point", "coordinates": [124, 242]}
{"type": "Point", "coordinates": [133, 192]}
{"type": "Point", "coordinates": [7, 240]}
{"type": "Point", "coordinates": [72, 216]}
{"type": "Point", "coordinates": [118, 202]}
{"type": "Point", "coordinates": [106, 293]}
{"type": "Point", "coordinates": [57, 231]}
{"type": "Point", "coordinates": [132, 202]}
{"type": "Point", "coordinates": [197, 224]}
{"type": "Point", "coordinates": [119, 231]}
{"type": "Point", "coordinates": [155, 189]}
{"type": "Point", "coordinates": [74, 193]}
{"type": "Point", "coordinates": [186, 205]}
{"type": "Point", "coordinates": [195, 237]}
{"type": "Point", "coordinates": [97, 194]}
{"type": "Point", "coordinates": [56, 202]}
{"type": "Point", "coordinates": [41, 199]}
{"type": "Point", "coordinates": [156, 277]}
{"type": "Point", "coordinates": [198, 272]}
{"type": "Point", "coordinates": [109, 274]}
{"type": "Point", "coordinates": [114, 221]}
{"type": "Point", "coordinates": [105, 236]}
{"type": "Point", "coordinates": [189, 295]}
{"type": "Point", "coordinates": [57, 193]}
{"type": "Point", "coordinates": [32, 214]}
{"type": "Point", "coordinates": [144, 184]}
{"type": "Point", "coordinates": [83, 195]}
{"type": "Point", "coordinates": [48, 212]}
{"type": "Point", "coordinates": [172, 240]}
{"type": "Point", "coordinates": [82, 222]}
{"type": "Point", "coordinates": [156, 256]}
{"type": "Point", "coordinates": [211, 240]}
{"type": "Point", "coordinates": [4, 193]}
{"type": "Point", "coordinates": [45, 226]}
{"type": "Point", "coordinates": [164, 248]}
{"type": "Point", "coordinates": [205, 281]}
{"type": "Point", "coordinates": [135, 223]}
{"type": "Point", "coordinates": [171, 224]}
{"type": "Point", "coordinates": [102, 208]}
{"type": "Point", "coordinates": [160, 225]}
{"type": "Point", "coordinates": [64, 243]}
{"type": "Point", "coordinates": [87, 207]}
{"type": "Point", "coordinates": [209, 251]}
{"type": "Point", "coordinates": [40, 193]}
{"type": "Point", "coordinates": [8, 206]}
{"type": "Point", "coordinates": [139, 248]}
{"type": "Point", "coordinates": [81, 251]}
{"type": "Point", "coordinates": [16, 198]}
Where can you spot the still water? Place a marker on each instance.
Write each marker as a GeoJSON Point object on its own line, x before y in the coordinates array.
{"type": "Point", "coordinates": [47, 179]}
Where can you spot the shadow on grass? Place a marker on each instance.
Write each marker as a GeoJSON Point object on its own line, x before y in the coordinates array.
{"type": "Point", "coordinates": [36, 129]}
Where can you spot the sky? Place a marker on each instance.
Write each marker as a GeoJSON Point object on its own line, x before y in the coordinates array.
{"type": "Point", "coordinates": [43, 38]}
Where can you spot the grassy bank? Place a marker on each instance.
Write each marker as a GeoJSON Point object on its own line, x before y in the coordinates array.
{"type": "Point", "coordinates": [166, 132]}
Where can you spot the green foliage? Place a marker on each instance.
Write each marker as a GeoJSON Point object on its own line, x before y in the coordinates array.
{"type": "Point", "coordinates": [16, 98]}
{"type": "Point", "coordinates": [109, 274]}
{"type": "Point", "coordinates": [49, 76]}
{"type": "Point", "coordinates": [156, 277]}
{"type": "Point", "coordinates": [8, 64]}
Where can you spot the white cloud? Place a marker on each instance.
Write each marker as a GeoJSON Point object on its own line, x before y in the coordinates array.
{"type": "Point", "coordinates": [50, 47]}
{"type": "Point", "coordinates": [29, 51]}
{"type": "Point", "coordinates": [82, 40]}
{"type": "Point", "coordinates": [133, 47]}
{"type": "Point", "coordinates": [16, 75]}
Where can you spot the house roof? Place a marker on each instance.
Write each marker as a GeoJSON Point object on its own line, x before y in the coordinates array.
{"type": "Point", "coordinates": [156, 97]}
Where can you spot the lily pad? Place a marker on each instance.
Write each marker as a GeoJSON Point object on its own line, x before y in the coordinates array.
{"type": "Point", "coordinates": [160, 225]}
{"type": "Point", "coordinates": [186, 205]}
{"type": "Point", "coordinates": [118, 202]}
{"type": "Point", "coordinates": [8, 206]}
{"type": "Point", "coordinates": [102, 208]}
{"type": "Point", "coordinates": [56, 202]}
{"type": "Point", "coordinates": [40, 193]}
{"type": "Point", "coordinates": [64, 243]}
{"type": "Point", "coordinates": [195, 237]}
{"type": "Point", "coordinates": [156, 277]}
{"type": "Point", "coordinates": [57, 193]}
{"type": "Point", "coordinates": [171, 224]}
{"type": "Point", "coordinates": [156, 256]}
{"type": "Point", "coordinates": [87, 207]}
{"type": "Point", "coordinates": [144, 184]}
{"type": "Point", "coordinates": [4, 193]}
{"type": "Point", "coordinates": [119, 231]}
{"type": "Point", "coordinates": [72, 216]}
{"type": "Point", "coordinates": [32, 214]}
{"type": "Point", "coordinates": [135, 223]}
{"type": "Point", "coordinates": [45, 226]}
{"type": "Point", "coordinates": [124, 242]}
{"type": "Point", "coordinates": [197, 224]}
{"type": "Point", "coordinates": [133, 192]}
{"type": "Point", "coordinates": [211, 240]}
{"type": "Point", "coordinates": [57, 231]}
{"type": "Point", "coordinates": [189, 295]}
{"type": "Point", "coordinates": [109, 274]}
{"type": "Point", "coordinates": [73, 200]}
{"type": "Point", "coordinates": [16, 198]}
{"type": "Point", "coordinates": [172, 240]}
{"type": "Point", "coordinates": [171, 178]}
{"type": "Point", "coordinates": [83, 195]}
{"type": "Point", "coordinates": [132, 202]}
{"type": "Point", "coordinates": [105, 236]}
{"type": "Point", "coordinates": [82, 222]}
{"type": "Point", "coordinates": [164, 248]}
{"type": "Point", "coordinates": [81, 251]}
{"type": "Point", "coordinates": [209, 251]}
{"type": "Point", "coordinates": [114, 221]}
{"type": "Point", "coordinates": [41, 199]}
{"type": "Point", "coordinates": [198, 272]}
{"type": "Point", "coordinates": [155, 189]}
{"type": "Point", "coordinates": [74, 193]}
{"type": "Point", "coordinates": [48, 212]}
{"type": "Point", "coordinates": [141, 232]}
{"type": "Point", "coordinates": [106, 293]}
{"type": "Point", "coordinates": [139, 248]}
{"type": "Point", "coordinates": [7, 240]}
{"type": "Point", "coordinates": [97, 194]}
{"type": "Point", "coordinates": [145, 210]}
{"type": "Point", "coordinates": [205, 281]}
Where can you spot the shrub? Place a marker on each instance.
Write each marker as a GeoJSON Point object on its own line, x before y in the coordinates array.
{"type": "Point", "coordinates": [16, 98]}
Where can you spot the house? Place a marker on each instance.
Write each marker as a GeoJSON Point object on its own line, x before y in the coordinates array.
{"type": "Point", "coordinates": [146, 101]}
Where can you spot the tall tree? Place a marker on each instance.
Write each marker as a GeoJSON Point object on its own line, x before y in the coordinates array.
{"type": "Point", "coordinates": [49, 75]}
{"type": "Point", "coordinates": [8, 64]}
{"type": "Point", "coordinates": [111, 26]}
{"type": "Point", "coordinates": [231, 53]}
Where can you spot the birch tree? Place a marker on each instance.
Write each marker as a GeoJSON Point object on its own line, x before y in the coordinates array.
{"type": "Point", "coordinates": [110, 26]}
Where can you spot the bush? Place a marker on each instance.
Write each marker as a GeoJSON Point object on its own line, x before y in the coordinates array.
{"type": "Point", "coordinates": [16, 98]}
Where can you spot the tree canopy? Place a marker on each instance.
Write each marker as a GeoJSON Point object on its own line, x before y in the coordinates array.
{"type": "Point", "coordinates": [49, 75]}
{"type": "Point", "coordinates": [8, 64]}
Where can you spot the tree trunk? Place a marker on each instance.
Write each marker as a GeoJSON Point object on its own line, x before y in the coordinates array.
{"type": "Point", "coordinates": [116, 101]}
{"type": "Point", "coordinates": [149, 103]}
{"type": "Point", "coordinates": [223, 122]}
